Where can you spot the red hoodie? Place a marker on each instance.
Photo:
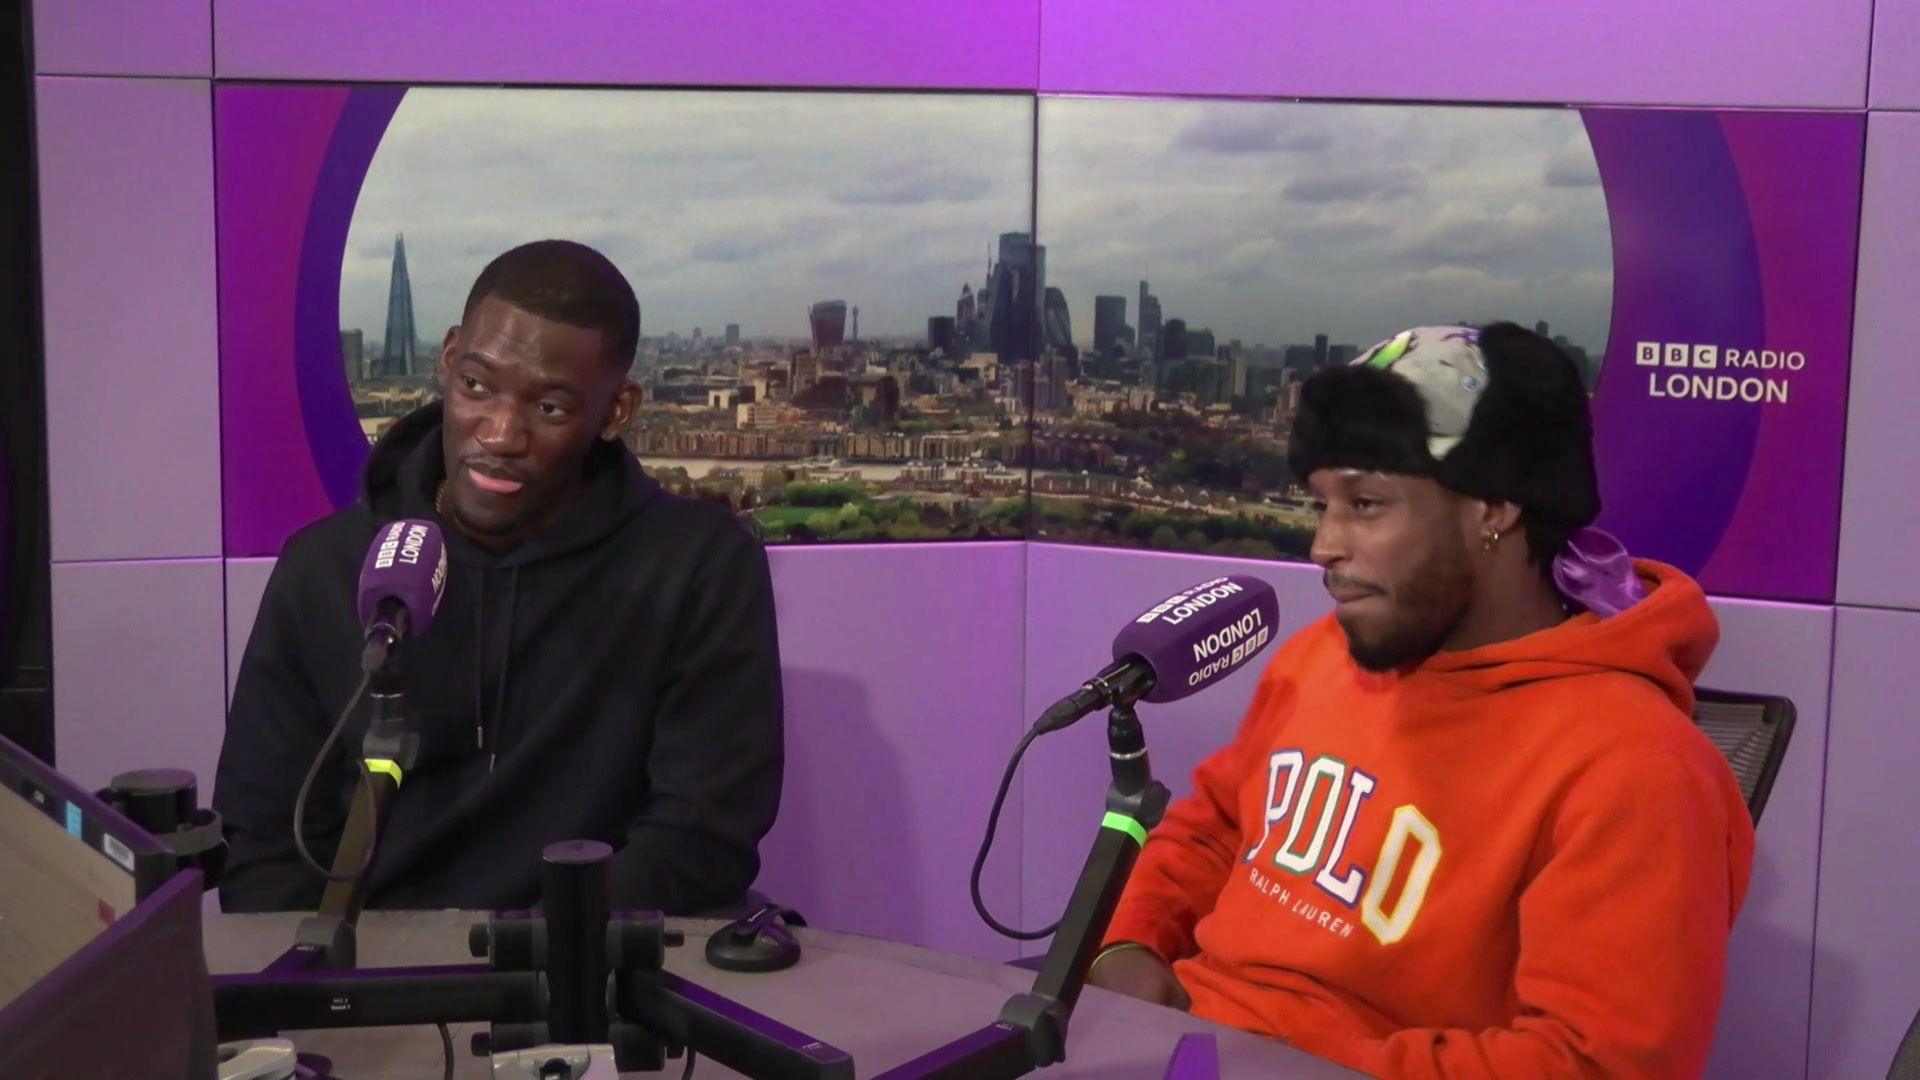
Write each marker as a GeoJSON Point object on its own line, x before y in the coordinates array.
{"type": "Point", "coordinates": [1515, 861]}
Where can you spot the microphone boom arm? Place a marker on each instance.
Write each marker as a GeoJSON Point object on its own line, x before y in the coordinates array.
{"type": "Point", "coordinates": [1031, 1032]}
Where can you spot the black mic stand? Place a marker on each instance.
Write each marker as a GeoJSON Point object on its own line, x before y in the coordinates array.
{"type": "Point", "coordinates": [1032, 1030]}
{"type": "Point", "coordinates": [389, 751]}
{"type": "Point", "coordinates": [578, 983]}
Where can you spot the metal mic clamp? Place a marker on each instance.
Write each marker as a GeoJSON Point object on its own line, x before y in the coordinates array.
{"type": "Point", "coordinates": [1127, 751]}
{"type": "Point", "coordinates": [1120, 683]}
{"type": "Point", "coordinates": [390, 626]}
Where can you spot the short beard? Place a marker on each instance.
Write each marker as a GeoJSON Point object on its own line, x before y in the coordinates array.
{"type": "Point", "coordinates": [1427, 611]}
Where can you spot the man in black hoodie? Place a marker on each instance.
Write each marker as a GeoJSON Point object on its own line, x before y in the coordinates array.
{"type": "Point", "coordinates": [603, 665]}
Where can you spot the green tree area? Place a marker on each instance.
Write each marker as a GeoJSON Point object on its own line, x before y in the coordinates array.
{"type": "Point", "coordinates": [844, 513]}
{"type": "Point", "coordinates": [1180, 449]}
{"type": "Point", "coordinates": [1121, 525]}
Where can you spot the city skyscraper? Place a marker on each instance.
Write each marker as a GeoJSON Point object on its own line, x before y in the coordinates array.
{"type": "Point", "coordinates": [733, 334]}
{"type": "Point", "coordinates": [353, 349]}
{"type": "Point", "coordinates": [1149, 335]}
{"type": "Point", "coordinates": [940, 334]}
{"type": "Point", "coordinates": [1109, 320]}
{"type": "Point", "coordinates": [1001, 316]}
{"type": "Point", "coordinates": [1173, 339]}
{"type": "Point", "coordinates": [829, 321]}
{"type": "Point", "coordinates": [1058, 323]}
{"type": "Point", "coordinates": [803, 372]}
{"type": "Point", "coordinates": [399, 354]}
{"type": "Point", "coordinates": [856, 322]}
{"type": "Point", "coordinates": [1010, 299]}
{"type": "Point", "coordinates": [1007, 330]}
{"type": "Point", "coordinates": [1021, 256]}
{"type": "Point", "coordinates": [1200, 342]}
{"type": "Point", "coordinates": [1215, 381]}
{"type": "Point", "coordinates": [1319, 351]}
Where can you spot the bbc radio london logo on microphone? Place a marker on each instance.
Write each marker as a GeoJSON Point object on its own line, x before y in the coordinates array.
{"type": "Point", "coordinates": [404, 539]}
{"type": "Point", "coordinates": [1688, 370]}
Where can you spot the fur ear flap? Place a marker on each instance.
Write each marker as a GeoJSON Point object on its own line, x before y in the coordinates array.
{"type": "Point", "coordinates": [1357, 417]}
{"type": "Point", "coordinates": [1531, 438]}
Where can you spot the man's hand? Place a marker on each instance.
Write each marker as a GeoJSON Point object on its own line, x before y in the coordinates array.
{"type": "Point", "coordinates": [1142, 974]}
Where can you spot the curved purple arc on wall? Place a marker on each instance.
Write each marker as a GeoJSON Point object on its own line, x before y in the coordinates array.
{"type": "Point", "coordinates": [1801, 173]}
{"type": "Point", "coordinates": [334, 437]}
{"type": "Point", "coordinates": [271, 143]}
{"type": "Point", "coordinates": [1686, 271]}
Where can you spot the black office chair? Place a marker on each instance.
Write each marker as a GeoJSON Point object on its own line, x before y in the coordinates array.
{"type": "Point", "coordinates": [1906, 1060]}
{"type": "Point", "coordinates": [1752, 731]}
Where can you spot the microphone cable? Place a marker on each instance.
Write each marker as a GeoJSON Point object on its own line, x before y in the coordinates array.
{"type": "Point", "coordinates": [986, 844]}
{"type": "Point", "coordinates": [306, 789]}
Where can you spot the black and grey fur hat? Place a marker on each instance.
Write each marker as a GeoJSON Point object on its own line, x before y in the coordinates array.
{"type": "Point", "coordinates": [1496, 413]}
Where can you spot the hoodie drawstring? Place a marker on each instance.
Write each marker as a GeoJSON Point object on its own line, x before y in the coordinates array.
{"type": "Point", "coordinates": [487, 736]}
{"type": "Point", "coordinates": [480, 664]}
{"type": "Point", "coordinates": [506, 654]}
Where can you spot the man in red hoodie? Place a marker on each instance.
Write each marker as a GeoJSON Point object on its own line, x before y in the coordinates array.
{"type": "Point", "coordinates": [1466, 827]}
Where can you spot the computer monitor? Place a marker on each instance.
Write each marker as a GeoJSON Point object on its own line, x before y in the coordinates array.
{"type": "Point", "coordinates": [101, 966]}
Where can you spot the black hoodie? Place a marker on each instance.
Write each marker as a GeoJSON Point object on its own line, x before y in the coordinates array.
{"type": "Point", "coordinates": [615, 678]}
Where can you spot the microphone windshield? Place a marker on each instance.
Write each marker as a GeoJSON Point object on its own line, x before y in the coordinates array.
{"type": "Point", "coordinates": [407, 563]}
{"type": "Point", "coordinates": [1200, 635]}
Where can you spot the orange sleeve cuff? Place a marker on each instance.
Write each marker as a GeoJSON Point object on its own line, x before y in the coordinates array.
{"type": "Point", "coordinates": [1141, 924]}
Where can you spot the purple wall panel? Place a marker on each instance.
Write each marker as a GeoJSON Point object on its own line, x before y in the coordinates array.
{"type": "Point", "coordinates": [126, 218]}
{"type": "Point", "coordinates": [1692, 52]}
{"type": "Point", "coordinates": [138, 646]}
{"type": "Point", "coordinates": [1878, 512]}
{"type": "Point", "coordinates": [123, 37]}
{"type": "Point", "coordinates": [1078, 597]}
{"type": "Point", "coordinates": [1867, 968]}
{"type": "Point", "coordinates": [902, 673]}
{"type": "Point", "coordinates": [989, 44]}
{"type": "Point", "coordinates": [1755, 251]}
{"type": "Point", "coordinates": [246, 584]}
{"type": "Point", "coordinates": [1896, 55]}
{"type": "Point", "coordinates": [1776, 649]}
{"type": "Point", "coordinates": [277, 139]}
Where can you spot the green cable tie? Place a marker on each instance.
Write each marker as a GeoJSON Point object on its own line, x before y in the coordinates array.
{"type": "Point", "coordinates": [1125, 824]}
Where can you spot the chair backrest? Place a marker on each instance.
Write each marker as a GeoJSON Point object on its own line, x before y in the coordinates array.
{"type": "Point", "coordinates": [1752, 730]}
{"type": "Point", "coordinates": [1906, 1057]}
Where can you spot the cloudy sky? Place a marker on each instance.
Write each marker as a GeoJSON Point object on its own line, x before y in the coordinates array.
{"type": "Point", "coordinates": [1267, 222]}
{"type": "Point", "coordinates": [1270, 222]}
{"type": "Point", "coordinates": [719, 206]}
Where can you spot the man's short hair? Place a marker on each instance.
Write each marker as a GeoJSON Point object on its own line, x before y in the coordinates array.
{"type": "Point", "coordinates": [566, 282]}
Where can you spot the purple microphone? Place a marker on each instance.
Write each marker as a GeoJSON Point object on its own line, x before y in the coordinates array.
{"type": "Point", "coordinates": [1178, 647]}
{"type": "Point", "coordinates": [400, 586]}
